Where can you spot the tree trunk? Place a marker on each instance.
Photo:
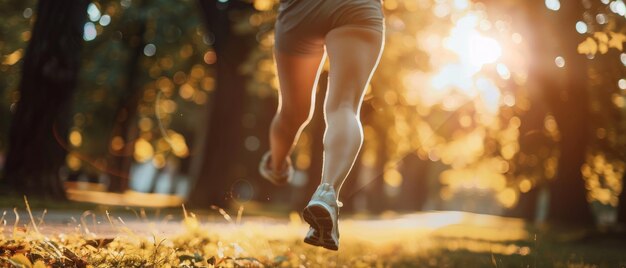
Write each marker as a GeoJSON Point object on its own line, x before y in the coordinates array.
{"type": "Point", "coordinates": [621, 208]}
{"type": "Point", "coordinates": [39, 128]}
{"type": "Point", "coordinates": [414, 188]}
{"type": "Point", "coordinates": [569, 103]}
{"type": "Point", "coordinates": [375, 189]}
{"type": "Point", "coordinates": [568, 202]}
{"type": "Point", "coordinates": [119, 162]}
{"type": "Point", "coordinates": [532, 140]}
{"type": "Point", "coordinates": [526, 207]}
{"type": "Point", "coordinates": [225, 130]}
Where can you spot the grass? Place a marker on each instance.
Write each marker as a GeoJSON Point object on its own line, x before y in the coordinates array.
{"type": "Point", "coordinates": [10, 200]}
{"type": "Point", "coordinates": [433, 239]}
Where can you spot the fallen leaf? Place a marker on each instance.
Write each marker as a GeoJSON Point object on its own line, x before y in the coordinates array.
{"type": "Point", "coordinates": [98, 243]}
{"type": "Point", "coordinates": [39, 264]}
{"type": "Point", "coordinates": [21, 259]}
{"type": "Point", "coordinates": [211, 260]}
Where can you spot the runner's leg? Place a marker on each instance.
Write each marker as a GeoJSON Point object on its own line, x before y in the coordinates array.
{"type": "Point", "coordinates": [354, 53]}
{"type": "Point", "coordinates": [298, 75]}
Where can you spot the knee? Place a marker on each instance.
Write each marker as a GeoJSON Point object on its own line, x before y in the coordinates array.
{"type": "Point", "coordinates": [344, 104]}
{"type": "Point", "coordinates": [342, 110]}
{"type": "Point", "coordinates": [343, 116]}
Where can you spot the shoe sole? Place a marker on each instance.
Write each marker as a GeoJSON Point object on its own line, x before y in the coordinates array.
{"type": "Point", "coordinates": [318, 216]}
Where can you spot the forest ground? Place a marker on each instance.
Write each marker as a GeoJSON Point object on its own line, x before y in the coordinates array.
{"type": "Point", "coordinates": [83, 236]}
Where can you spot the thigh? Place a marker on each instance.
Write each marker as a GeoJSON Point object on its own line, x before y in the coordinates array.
{"type": "Point", "coordinates": [354, 53]}
{"type": "Point", "coordinates": [297, 76]}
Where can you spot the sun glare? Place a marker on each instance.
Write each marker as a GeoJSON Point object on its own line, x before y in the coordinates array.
{"type": "Point", "coordinates": [469, 68]}
{"type": "Point", "coordinates": [473, 49]}
{"type": "Point", "coordinates": [483, 50]}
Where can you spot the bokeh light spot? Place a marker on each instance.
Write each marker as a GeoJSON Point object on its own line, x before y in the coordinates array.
{"type": "Point", "coordinates": [178, 144]}
{"type": "Point", "coordinates": [76, 139]}
{"type": "Point", "coordinates": [581, 27]}
{"type": "Point", "coordinates": [503, 71]}
{"type": "Point", "coordinates": [186, 91]}
{"type": "Point", "coordinates": [93, 12]}
{"type": "Point", "coordinates": [509, 100]}
{"type": "Point", "coordinates": [559, 61]}
{"type": "Point", "coordinates": [553, 4]}
{"type": "Point", "coordinates": [525, 185]}
{"type": "Point", "coordinates": [125, 3]}
{"type": "Point", "coordinates": [28, 12]}
{"type": "Point", "coordinates": [143, 150]}
{"type": "Point", "coordinates": [252, 143]}
{"type": "Point", "coordinates": [263, 5]}
{"type": "Point", "coordinates": [158, 161]}
{"type": "Point", "coordinates": [117, 143]}
{"type": "Point", "coordinates": [618, 7]}
{"type": "Point", "coordinates": [73, 162]}
{"type": "Point", "coordinates": [622, 84]}
{"type": "Point", "coordinates": [210, 57]}
{"type": "Point", "coordinates": [145, 124]}
{"type": "Point", "coordinates": [461, 4]}
{"type": "Point", "coordinates": [149, 50]}
{"type": "Point", "coordinates": [13, 58]}
{"type": "Point", "coordinates": [393, 178]}
{"type": "Point", "coordinates": [89, 31]}
{"type": "Point", "coordinates": [508, 197]}
{"type": "Point", "coordinates": [105, 20]}
{"type": "Point", "coordinates": [601, 18]}
{"type": "Point", "coordinates": [242, 191]}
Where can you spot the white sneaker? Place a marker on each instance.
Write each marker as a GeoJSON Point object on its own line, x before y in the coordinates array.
{"type": "Point", "coordinates": [322, 213]}
{"type": "Point", "coordinates": [268, 173]}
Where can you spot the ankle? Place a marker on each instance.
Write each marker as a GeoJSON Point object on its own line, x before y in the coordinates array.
{"type": "Point", "coordinates": [278, 168]}
{"type": "Point", "coordinates": [329, 186]}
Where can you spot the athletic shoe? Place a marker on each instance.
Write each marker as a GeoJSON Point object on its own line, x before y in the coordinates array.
{"type": "Point", "coordinates": [268, 173]}
{"type": "Point", "coordinates": [322, 213]}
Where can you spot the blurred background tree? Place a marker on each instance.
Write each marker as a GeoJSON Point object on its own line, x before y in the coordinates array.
{"type": "Point", "coordinates": [151, 80]}
{"type": "Point", "coordinates": [223, 145]}
{"type": "Point", "coordinates": [16, 31]}
{"type": "Point", "coordinates": [484, 106]}
{"type": "Point", "coordinates": [49, 75]}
